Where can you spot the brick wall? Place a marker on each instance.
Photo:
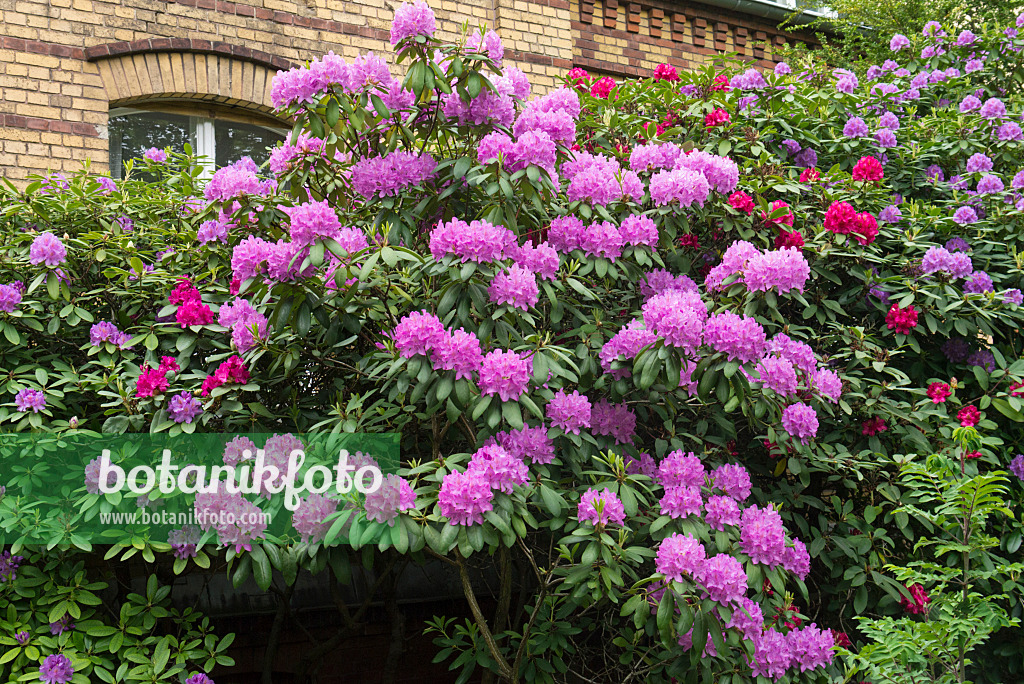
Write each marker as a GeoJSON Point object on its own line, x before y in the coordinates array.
{"type": "Point", "coordinates": [64, 63]}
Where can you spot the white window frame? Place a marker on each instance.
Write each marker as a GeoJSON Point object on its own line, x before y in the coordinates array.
{"type": "Point", "coordinates": [201, 132]}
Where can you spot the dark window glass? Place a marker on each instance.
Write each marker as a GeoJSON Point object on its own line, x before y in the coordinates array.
{"type": "Point", "coordinates": [133, 134]}
{"type": "Point", "coordinates": [237, 140]}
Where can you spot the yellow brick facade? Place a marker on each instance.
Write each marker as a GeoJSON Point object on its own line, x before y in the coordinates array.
{"type": "Point", "coordinates": [65, 63]}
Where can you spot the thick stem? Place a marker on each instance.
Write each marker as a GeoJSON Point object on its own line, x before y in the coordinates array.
{"type": "Point", "coordinates": [481, 623]}
{"type": "Point", "coordinates": [274, 638]}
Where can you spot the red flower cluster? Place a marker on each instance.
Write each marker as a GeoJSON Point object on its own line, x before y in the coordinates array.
{"type": "Point", "coordinates": [689, 240]}
{"type": "Point", "coordinates": [232, 370]}
{"type": "Point", "coordinates": [901, 320]}
{"type": "Point", "coordinates": [843, 219]}
{"type": "Point", "coordinates": [872, 426]}
{"type": "Point", "coordinates": [665, 72]}
{"type": "Point", "coordinates": [786, 218]}
{"type": "Point", "coordinates": [788, 616]}
{"type": "Point", "coordinates": [841, 638]}
{"type": "Point", "coordinates": [1017, 388]}
{"type": "Point", "coordinates": [191, 310]}
{"type": "Point", "coordinates": [669, 121]}
{"type": "Point", "coordinates": [810, 175]}
{"type": "Point", "coordinates": [968, 416]}
{"type": "Point", "coordinates": [970, 455]}
{"type": "Point", "coordinates": [579, 77]}
{"type": "Point", "coordinates": [918, 602]}
{"type": "Point", "coordinates": [868, 169]}
{"type": "Point", "coordinates": [721, 82]}
{"type": "Point", "coordinates": [603, 87]}
{"type": "Point", "coordinates": [789, 238]}
{"type": "Point", "coordinates": [938, 392]}
{"type": "Point", "coordinates": [154, 380]}
{"type": "Point", "coordinates": [716, 118]}
{"type": "Point", "coordinates": [741, 201]}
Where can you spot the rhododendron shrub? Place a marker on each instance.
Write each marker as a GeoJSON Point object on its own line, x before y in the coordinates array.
{"type": "Point", "coordinates": [658, 343]}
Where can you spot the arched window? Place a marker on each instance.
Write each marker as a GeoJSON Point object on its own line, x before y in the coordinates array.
{"type": "Point", "coordinates": [219, 137]}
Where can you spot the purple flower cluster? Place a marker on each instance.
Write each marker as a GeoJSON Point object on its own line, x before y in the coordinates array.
{"type": "Point", "coordinates": [530, 443]}
{"type": "Point", "coordinates": [412, 19]}
{"type": "Point", "coordinates": [624, 345]}
{"type": "Point", "coordinates": [956, 264]}
{"type": "Point", "coordinates": [740, 338]}
{"type": "Point", "coordinates": [722, 173]}
{"type": "Point", "coordinates": [654, 156]}
{"type": "Point", "coordinates": [56, 669]}
{"type": "Point", "coordinates": [29, 399]}
{"type": "Point", "coordinates": [978, 282]}
{"type": "Point", "coordinates": [855, 128]}
{"type": "Point", "coordinates": [806, 649]}
{"type": "Point", "coordinates": [106, 332]}
{"type": "Point", "coordinates": [678, 317]}
{"type": "Point", "coordinates": [464, 497]}
{"type": "Point", "coordinates": [570, 412]}
{"type": "Point", "coordinates": [183, 407]}
{"type": "Point", "coordinates": [387, 176]}
{"type": "Point", "coordinates": [236, 521]}
{"type": "Point", "coordinates": [751, 79]}
{"type": "Point", "coordinates": [310, 221]}
{"type": "Point", "coordinates": [682, 185]}
{"type": "Point", "coordinates": [506, 374]}
{"type": "Point", "coordinates": [614, 420]}
{"type": "Point", "coordinates": [762, 536]}
{"type": "Point", "coordinates": [47, 249]}
{"type": "Point", "coordinates": [681, 469]}
{"type": "Point", "coordinates": [500, 469]}
{"type": "Point", "coordinates": [245, 322]}
{"type": "Point", "coordinates": [800, 421]}
{"type": "Point", "coordinates": [236, 180]}
{"type": "Point", "coordinates": [1017, 466]}
{"type": "Point", "coordinates": [421, 332]}
{"type": "Point", "coordinates": [10, 297]}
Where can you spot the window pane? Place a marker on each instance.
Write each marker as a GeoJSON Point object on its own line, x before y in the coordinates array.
{"type": "Point", "coordinates": [131, 135]}
{"type": "Point", "coordinates": [237, 140]}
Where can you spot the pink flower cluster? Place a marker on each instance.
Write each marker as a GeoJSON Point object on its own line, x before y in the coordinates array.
{"type": "Point", "coordinates": [517, 287]}
{"type": "Point", "coordinates": [782, 269]}
{"type": "Point", "coordinates": [153, 381]}
{"type": "Point", "coordinates": [394, 495]}
{"type": "Point", "coordinates": [191, 310]}
{"type": "Point", "coordinates": [464, 497]}
{"type": "Point", "coordinates": [236, 180]}
{"type": "Point", "coordinates": [600, 180]}
{"type": "Point", "coordinates": [570, 412]}
{"type": "Point", "coordinates": [601, 508]}
{"type": "Point", "coordinates": [678, 317]}
{"type": "Point", "coordinates": [309, 519]}
{"type": "Point", "coordinates": [478, 241]}
{"type": "Point", "coordinates": [245, 322]}
{"type": "Point", "coordinates": [232, 370]}
{"type": "Point", "coordinates": [237, 521]}
{"type": "Point", "coordinates": [843, 219]}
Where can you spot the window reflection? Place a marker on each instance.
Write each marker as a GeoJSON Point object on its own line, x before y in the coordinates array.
{"type": "Point", "coordinates": [220, 142]}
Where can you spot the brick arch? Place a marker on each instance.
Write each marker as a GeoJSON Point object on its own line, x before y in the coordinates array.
{"type": "Point", "coordinates": [175, 69]}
